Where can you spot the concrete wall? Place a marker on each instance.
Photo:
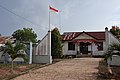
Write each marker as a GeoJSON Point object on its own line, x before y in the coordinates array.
{"type": "Point", "coordinates": [112, 38]}
{"type": "Point", "coordinates": [109, 39]}
{"type": "Point", "coordinates": [41, 59]}
{"type": "Point", "coordinates": [17, 59]}
{"type": "Point", "coordinates": [115, 60]}
{"type": "Point", "coordinates": [42, 52]}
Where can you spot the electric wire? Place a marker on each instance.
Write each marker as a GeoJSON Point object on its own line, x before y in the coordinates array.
{"type": "Point", "coordinates": [18, 15]}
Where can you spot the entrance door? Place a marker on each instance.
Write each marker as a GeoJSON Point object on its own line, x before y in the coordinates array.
{"type": "Point", "coordinates": [84, 48]}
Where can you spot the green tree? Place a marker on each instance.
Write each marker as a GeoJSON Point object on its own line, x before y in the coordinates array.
{"type": "Point", "coordinates": [25, 35]}
{"type": "Point", "coordinates": [15, 50]}
{"type": "Point", "coordinates": [56, 45]}
{"type": "Point", "coordinates": [115, 31]}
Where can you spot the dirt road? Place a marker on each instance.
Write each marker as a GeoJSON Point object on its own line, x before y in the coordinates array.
{"type": "Point", "coordinates": [71, 69]}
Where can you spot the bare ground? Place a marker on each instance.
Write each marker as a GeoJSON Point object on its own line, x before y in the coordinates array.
{"type": "Point", "coordinates": [71, 69]}
{"type": "Point", "coordinates": [5, 73]}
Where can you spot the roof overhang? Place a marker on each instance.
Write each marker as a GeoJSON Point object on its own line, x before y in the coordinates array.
{"type": "Point", "coordinates": [84, 40]}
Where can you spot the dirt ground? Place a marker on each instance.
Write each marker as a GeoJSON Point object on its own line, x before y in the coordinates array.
{"type": "Point", "coordinates": [71, 69]}
{"type": "Point", "coordinates": [5, 73]}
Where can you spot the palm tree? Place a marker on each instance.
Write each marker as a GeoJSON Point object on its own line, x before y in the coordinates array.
{"type": "Point", "coordinates": [113, 49]}
{"type": "Point", "coordinates": [15, 50]}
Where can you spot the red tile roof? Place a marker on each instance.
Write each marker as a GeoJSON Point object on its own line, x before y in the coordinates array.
{"type": "Point", "coordinates": [3, 39]}
{"type": "Point", "coordinates": [68, 36]}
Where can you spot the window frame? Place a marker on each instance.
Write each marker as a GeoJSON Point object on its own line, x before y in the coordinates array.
{"type": "Point", "coordinates": [100, 46]}
{"type": "Point", "coordinates": [71, 46]}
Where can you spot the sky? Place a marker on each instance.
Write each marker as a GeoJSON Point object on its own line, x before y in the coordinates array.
{"type": "Point", "coordinates": [74, 15]}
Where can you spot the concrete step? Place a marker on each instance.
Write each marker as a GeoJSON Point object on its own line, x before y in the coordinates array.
{"type": "Point", "coordinates": [83, 55]}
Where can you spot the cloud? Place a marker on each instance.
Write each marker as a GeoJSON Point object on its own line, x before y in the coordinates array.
{"type": "Point", "coordinates": [37, 12]}
{"type": "Point", "coordinates": [34, 10]}
{"type": "Point", "coordinates": [115, 17]}
{"type": "Point", "coordinates": [67, 9]}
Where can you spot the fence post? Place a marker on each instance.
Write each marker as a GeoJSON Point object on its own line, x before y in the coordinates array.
{"type": "Point", "coordinates": [30, 60]}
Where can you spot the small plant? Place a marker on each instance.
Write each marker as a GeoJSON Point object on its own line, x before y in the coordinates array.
{"type": "Point", "coordinates": [15, 50]}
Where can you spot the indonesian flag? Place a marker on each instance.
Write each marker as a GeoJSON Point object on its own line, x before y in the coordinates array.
{"type": "Point", "coordinates": [53, 9]}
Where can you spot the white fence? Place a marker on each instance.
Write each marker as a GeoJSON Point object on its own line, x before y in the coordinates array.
{"type": "Point", "coordinates": [42, 52]}
{"type": "Point", "coordinates": [41, 48]}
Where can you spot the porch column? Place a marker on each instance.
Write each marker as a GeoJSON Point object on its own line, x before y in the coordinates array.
{"type": "Point", "coordinates": [91, 49]}
{"type": "Point", "coordinates": [78, 48]}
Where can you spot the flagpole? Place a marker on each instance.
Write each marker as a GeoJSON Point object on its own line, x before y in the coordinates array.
{"type": "Point", "coordinates": [49, 34]}
{"type": "Point", "coordinates": [49, 40]}
{"type": "Point", "coordinates": [60, 20]}
{"type": "Point", "coordinates": [49, 20]}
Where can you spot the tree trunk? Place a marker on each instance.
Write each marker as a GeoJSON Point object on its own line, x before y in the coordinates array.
{"type": "Point", "coordinates": [12, 66]}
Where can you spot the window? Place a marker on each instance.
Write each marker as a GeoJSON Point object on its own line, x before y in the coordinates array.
{"type": "Point", "coordinates": [100, 46]}
{"type": "Point", "coordinates": [71, 46]}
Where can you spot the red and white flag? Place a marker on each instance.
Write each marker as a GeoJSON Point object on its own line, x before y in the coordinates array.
{"type": "Point", "coordinates": [53, 9]}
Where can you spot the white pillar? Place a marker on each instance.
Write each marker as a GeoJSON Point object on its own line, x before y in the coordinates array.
{"type": "Point", "coordinates": [49, 41]}
{"type": "Point", "coordinates": [106, 39]}
{"type": "Point", "coordinates": [49, 47]}
{"type": "Point", "coordinates": [91, 49]}
{"type": "Point", "coordinates": [30, 60]}
{"type": "Point", "coordinates": [78, 48]}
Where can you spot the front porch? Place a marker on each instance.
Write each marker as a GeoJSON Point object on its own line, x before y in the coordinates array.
{"type": "Point", "coordinates": [84, 48]}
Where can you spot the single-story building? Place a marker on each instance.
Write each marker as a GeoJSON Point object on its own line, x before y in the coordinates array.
{"type": "Point", "coordinates": [87, 43]}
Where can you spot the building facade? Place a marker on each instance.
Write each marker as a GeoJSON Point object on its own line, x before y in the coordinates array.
{"type": "Point", "coordinates": [87, 43]}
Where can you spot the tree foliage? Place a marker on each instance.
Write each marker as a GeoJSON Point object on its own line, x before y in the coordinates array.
{"type": "Point", "coordinates": [25, 35]}
{"type": "Point", "coordinates": [56, 43]}
{"type": "Point", "coordinates": [15, 51]}
{"type": "Point", "coordinates": [115, 31]}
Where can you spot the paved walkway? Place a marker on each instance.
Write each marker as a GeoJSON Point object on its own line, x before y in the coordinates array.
{"type": "Point", "coordinates": [71, 69]}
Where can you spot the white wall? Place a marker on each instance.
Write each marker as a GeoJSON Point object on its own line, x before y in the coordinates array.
{"type": "Point", "coordinates": [84, 36]}
{"type": "Point", "coordinates": [109, 39]}
{"type": "Point", "coordinates": [112, 38]}
{"type": "Point", "coordinates": [115, 60]}
{"type": "Point", "coordinates": [95, 50]}
{"type": "Point", "coordinates": [68, 52]}
{"type": "Point", "coordinates": [41, 59]}
{"type": "Point", "coordinates": [74, 52]}
{"type": "Point", "coordinates": [42, 52]}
